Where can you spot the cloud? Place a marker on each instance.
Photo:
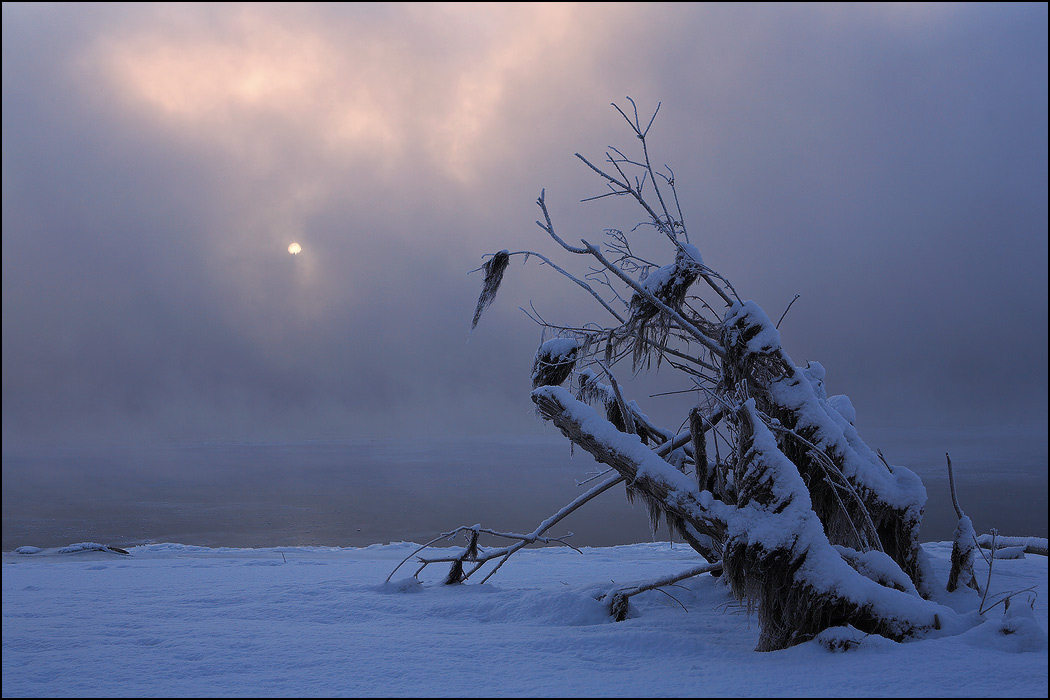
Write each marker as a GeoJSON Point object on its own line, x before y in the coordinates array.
{"type": "Point", "coordinates": [886, 162]}
{"type": "Point", "coordinates": [399, 86]}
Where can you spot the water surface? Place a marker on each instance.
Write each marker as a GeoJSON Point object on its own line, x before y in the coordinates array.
{"type": "Point", "coordinates": [356, 493]}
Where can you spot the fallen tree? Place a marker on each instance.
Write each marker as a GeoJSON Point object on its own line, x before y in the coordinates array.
{"type": "Point", "coordinates": [768, 480]}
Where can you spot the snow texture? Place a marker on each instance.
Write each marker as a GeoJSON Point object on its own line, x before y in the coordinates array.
{"type": "Point", "coordinates": [179, 620]}
{"type": "Point", "coordinates": [557, 349]}
{"type": "Point", "coordinates": [691, 251]}
{"type": "Point", "coordinates": [844, 407]}
{"type": "Point", "coordinates": [1032, 544]}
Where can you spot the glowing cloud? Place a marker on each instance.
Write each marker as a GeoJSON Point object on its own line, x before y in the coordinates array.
{"type": "Point", "coordinates": [340, 87]}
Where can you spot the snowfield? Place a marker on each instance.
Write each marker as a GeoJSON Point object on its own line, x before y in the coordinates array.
{"type": "Point", "coordinates": [180, 620]}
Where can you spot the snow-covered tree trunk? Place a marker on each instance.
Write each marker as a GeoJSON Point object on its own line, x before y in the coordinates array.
{"type": "Point", "coordinates": [776, 554]}
{"type": "Point", "coordinates": [863, 502]}
{"type": "Point", "coordinates": [964, 542]}
{"type": "Point", "coordinates": [811, 526]}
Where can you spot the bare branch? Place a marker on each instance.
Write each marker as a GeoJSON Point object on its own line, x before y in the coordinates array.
{"type": "Point", "coordinates": [786, 310]}
{"type": "Point", "coordinates": [504, 553]}
{"type": "Point", "coordinates": [578, 281]}
{"type": "Point", "coordinates": [618, 598]}
{"type": "Point", "coordinates": [951, 486]}
{"type": "Point", "coordinates": [549, 227]}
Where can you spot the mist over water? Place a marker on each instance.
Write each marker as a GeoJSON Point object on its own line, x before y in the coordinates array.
{"type": "Point", "coordinates": [356, 493]}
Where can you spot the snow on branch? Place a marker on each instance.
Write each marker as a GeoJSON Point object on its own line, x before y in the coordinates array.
{"type": "Point", "coordinates": [808, 524]}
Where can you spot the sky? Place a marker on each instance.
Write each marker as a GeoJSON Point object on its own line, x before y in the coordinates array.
{"type": "Point", "coordinates": [886, 163]}
{"type": "Point", "coordinates": [173, 620]}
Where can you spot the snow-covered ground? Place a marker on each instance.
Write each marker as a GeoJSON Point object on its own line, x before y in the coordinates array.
{"type": "Point", "coordinates": [180, 620]}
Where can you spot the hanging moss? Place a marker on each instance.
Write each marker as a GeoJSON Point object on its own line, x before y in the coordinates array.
{"type": "Point", "coordinates": [494, 268]}
{"type": "Point", "coordinates": [554, 361]}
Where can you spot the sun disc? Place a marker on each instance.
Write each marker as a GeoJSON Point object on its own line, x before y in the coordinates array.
{"type": "Point", "coordinates": [295, 248]}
